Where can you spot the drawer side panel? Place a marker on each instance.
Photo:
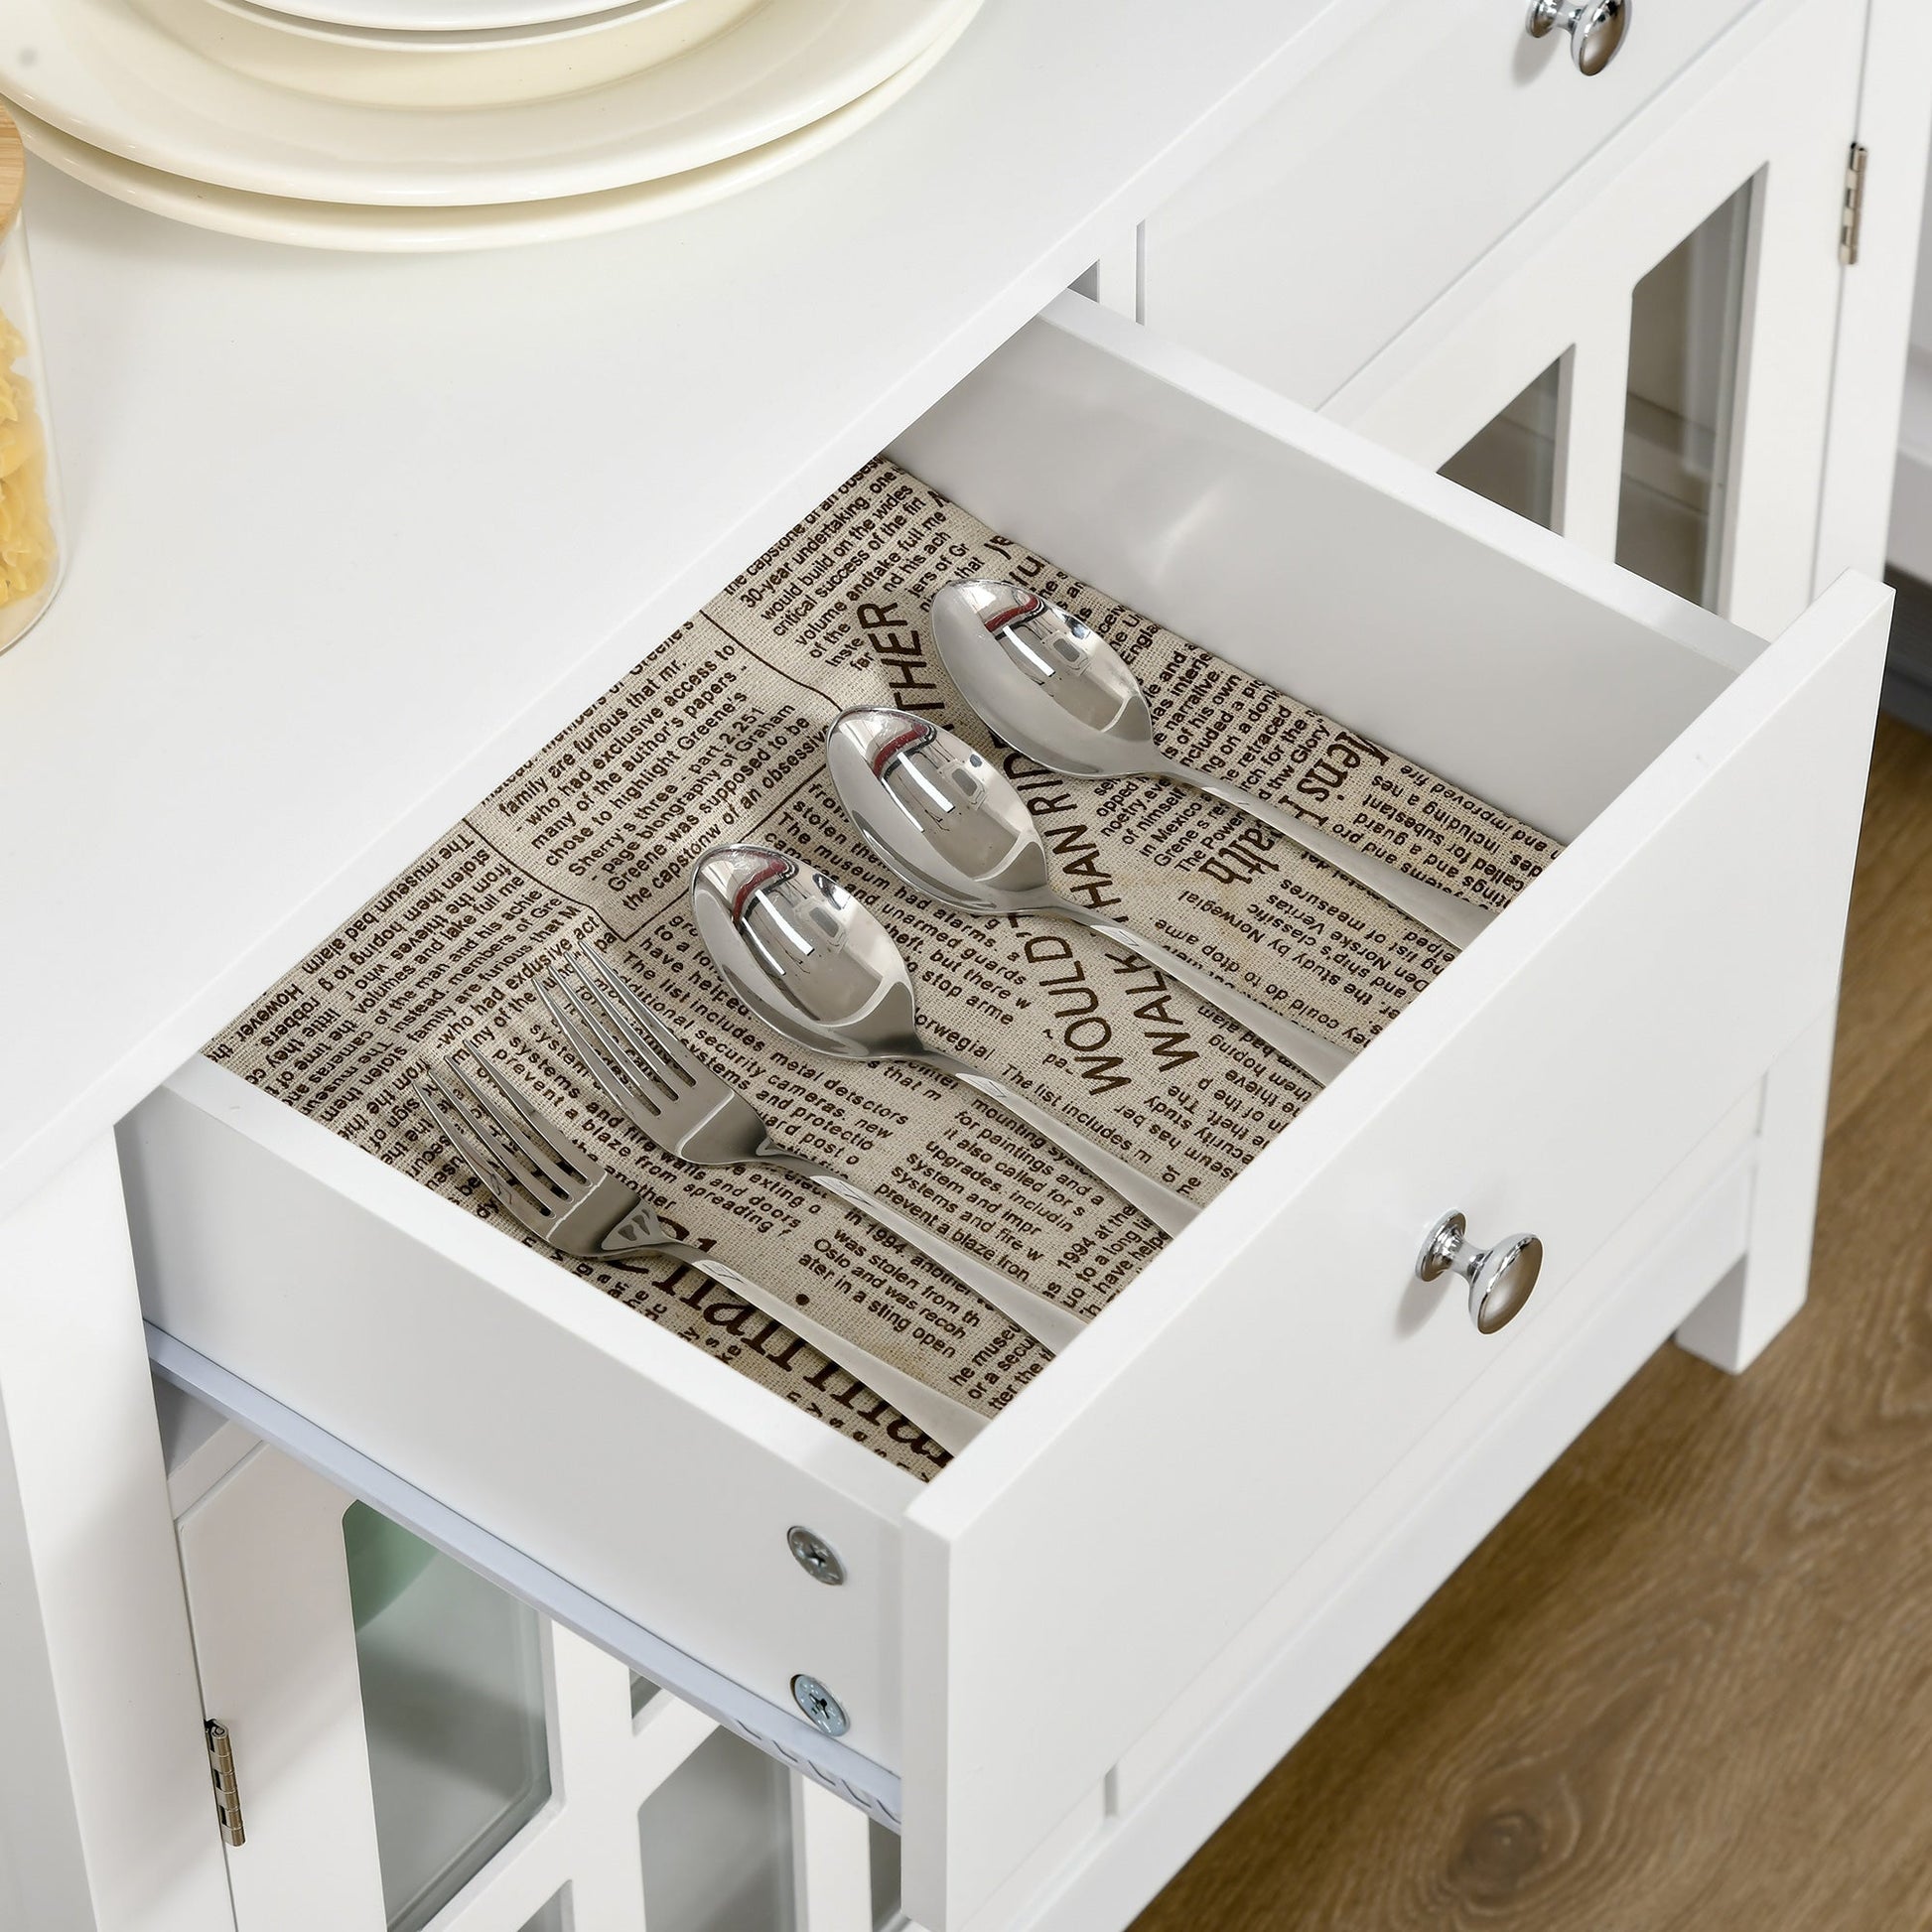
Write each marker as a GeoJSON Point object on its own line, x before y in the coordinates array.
{"type": "Point", "coordinates": [653, 1478]}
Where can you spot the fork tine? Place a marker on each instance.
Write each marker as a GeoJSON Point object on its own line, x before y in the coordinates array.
{"type": "Point", "coordinates": [597, 997]}
{"type": "Point", "coordinates": [670, 1050]}
{"type": "Point", "coordinates": [625, 1091]}
{"type": "Point", "coordinates": [524, 1128]}
{"type": "Point", "coordinates": [449, 1114]}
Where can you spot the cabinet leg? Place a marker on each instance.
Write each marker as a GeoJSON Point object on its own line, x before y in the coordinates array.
{"type": "Point", "coordinates": [1735, 1323]}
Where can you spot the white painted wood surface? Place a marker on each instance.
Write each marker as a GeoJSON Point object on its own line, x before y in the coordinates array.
{"type": "Point", "coordinates": [1592, 1037]}
{"type": "Point", "coordinates": [276, 1645]}
{"type": "Point", "coordinates": [1203, 1754]}
{"type": "Point", "coordinates": [1874, 315]}
{"type": "Point", "coordinates": [365, 532]}
{"type": "Point", "coordinates": [1734, 1324]}
{"type": "Point", "coordinates": [667, 430]}
{"type": "Point", "coordinates": [1582, 1048]}
{"type": "Point", "coordinates": [1468, 638]}
{"type": "Point", "coordinates": [1779, 112]}
{"type": "Point", "coordinates": [515, 1394]}
{"type": "Point", "coordinates": [777, 1729]}
{"type": "Point", "coordinates": [1333, 222]}
{"type": "Point", "coordinates": [1909, 543]}
{"type": "Point", "coordinates": [106, 1824]}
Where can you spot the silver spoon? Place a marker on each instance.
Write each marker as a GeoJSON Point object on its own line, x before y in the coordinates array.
{"type": "Point", "coordinates": [811, 962]}
{"type": "Point", "coordinates": [1060, 692]}
{"type": "Point", "coordinates": [949, 823]}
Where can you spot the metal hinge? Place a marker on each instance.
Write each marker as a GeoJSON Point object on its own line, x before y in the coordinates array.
{"type": "Point", "coordinates": [1850, 219]}
{"type": "Point", "coordinates": [227, 1793]}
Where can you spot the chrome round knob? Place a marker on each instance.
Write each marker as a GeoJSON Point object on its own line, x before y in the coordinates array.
{"type": "Point", "coordinates": [1500, 1278]}
{"type": "Point", "coordinates": [1597, 28]}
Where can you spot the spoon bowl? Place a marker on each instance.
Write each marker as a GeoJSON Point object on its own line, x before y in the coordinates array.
{"type": "Point", "coordinates": [804, 954]}
{"type": "Point", "coordinates": [1057, 691]}
{"type": "Point", "coordinates": [938, 813]}
{"type": "Point", "coordinates": [1046, 683]}
{"type": "Point", "coordinates": [955, 826]}
{"type": "Point", "coordinates": [814, 965]}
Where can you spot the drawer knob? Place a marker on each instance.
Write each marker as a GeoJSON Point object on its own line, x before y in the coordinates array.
{"type": "Point", "coordinates": [1597, 28]}
{"type": "Point", "coordinates": [1499, 1278]}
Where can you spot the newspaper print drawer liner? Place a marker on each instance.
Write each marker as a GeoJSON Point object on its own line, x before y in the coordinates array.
{"type": "Point", "coordinates": [719, 735]}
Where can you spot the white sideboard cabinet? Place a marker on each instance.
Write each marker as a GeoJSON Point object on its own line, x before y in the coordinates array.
{"type": "Point", "coordinates": [459, 1682]}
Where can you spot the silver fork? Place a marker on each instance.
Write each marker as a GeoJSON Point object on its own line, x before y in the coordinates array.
{"type": "Point", "coordinates": [697, 1115]}
{"type": "Point", "coordinates": [562, 1196]}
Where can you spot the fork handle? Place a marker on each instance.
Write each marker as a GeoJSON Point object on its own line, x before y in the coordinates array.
{"type": "Point", "coordinates": [950, 1424]}
{"type": "Point", "coordinates": [1169, 1211]}
{"type": "Point", "coordinates": [1044, 1320]}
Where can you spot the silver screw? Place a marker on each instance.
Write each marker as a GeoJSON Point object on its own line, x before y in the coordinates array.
{"type": "Point", "coordinates": [820, 1706]}
{"type": "Point", "coordinates": [816, 1558]}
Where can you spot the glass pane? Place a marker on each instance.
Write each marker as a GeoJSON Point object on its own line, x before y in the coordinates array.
{"type": "Point", "coordinates": [453, 1703]}
{"type": "Point", "coordinates": [550, 1918]}
{"type": "Point", "coordinates": [642, 1690]}
{"type": "Point", "coordinates": [715, 1837]}
{"type": "Point", "coordinates": [1513, 459]}
{"type": "Point", "coordinates": [884, 1875]}
{"type": "Point", "coordinates": [1686, 324]}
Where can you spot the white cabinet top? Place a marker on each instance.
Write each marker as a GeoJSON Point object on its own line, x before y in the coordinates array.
{"type": "Point", "coordinates": [353, 535]}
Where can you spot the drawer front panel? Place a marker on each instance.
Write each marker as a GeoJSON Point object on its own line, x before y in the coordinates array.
{"type": "Point", "coordinates": [1337, 220]}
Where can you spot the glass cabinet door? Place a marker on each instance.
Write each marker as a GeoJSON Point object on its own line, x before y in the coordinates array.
{"type": "Point", "coordinates": [453, 1705]}
{"type": "Point", "coordinates": [1679, 406]}
{"type": "Point", "coordinates": [1512, 458]}
{"type": "Point", "coordinates": [1646, 367]}
{"type": "Point", "coordinates": [1687, 322]}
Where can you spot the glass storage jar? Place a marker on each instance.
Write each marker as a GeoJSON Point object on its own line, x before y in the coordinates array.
{"type": "Point", "coordinates": [30, 539]}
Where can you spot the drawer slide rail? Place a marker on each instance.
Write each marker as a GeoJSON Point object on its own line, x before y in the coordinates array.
{"type": "Point", "coordinates": [778, 1733]}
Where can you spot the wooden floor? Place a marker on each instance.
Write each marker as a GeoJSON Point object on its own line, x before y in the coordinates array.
{"type": "Point", "coordinates": [1687, 1682]}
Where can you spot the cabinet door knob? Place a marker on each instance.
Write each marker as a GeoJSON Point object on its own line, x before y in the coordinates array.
{"type": "Point", "coordinates": [1597, 28]}
{"type": "Point", "coordinates": [1499, 1278]}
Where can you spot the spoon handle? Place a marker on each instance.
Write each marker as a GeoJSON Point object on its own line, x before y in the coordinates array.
{"type": "Point", "coordinates": [1046, 1321]}
{"type": "Point", "coordinates": [950, 1424]}
{"type": "Point", "coordinates": [1431, 909]}
{"type": "Point", "coordinates": [1169, 1211]}
{"type": "Point", "coordinates": [1320, 1059]}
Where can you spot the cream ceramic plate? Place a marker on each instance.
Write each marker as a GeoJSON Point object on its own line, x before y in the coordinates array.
{"type": "Point", "coordinates": [412, 230]}
{"type": "Point", "coordinates": [485, 67]}
{"type": "Point", "coordinates": [437, 39]}
{"type": "Point", "coordinates": [435, 16]}
{"type": "Point", "coordinates": [111, 78]}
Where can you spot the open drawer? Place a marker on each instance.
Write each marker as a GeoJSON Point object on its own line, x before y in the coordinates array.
{"type": "Point", "coordinates": [1005, 1633]}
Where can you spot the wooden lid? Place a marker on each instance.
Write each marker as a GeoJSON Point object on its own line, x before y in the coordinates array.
{"type": "Point", "coordinates": [13, 170]}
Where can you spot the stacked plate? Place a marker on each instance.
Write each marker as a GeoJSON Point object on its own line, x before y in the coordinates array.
{"type": "Point", "coordinates": [430, 124]}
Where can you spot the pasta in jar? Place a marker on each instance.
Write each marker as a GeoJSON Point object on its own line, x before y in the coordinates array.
{"type": "Point", "coordinates": [26, 536]}
{"type": "Point", "coordinates": [30, 549]}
